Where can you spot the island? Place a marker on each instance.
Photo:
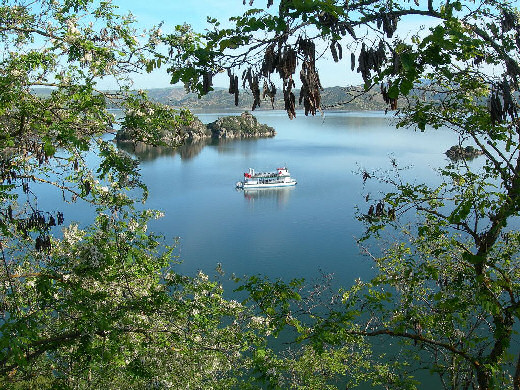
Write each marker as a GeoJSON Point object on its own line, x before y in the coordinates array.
{"type": "Point", "coordinates": [227, 127]}
{"type": "Point", "coordinates": [457, 152]}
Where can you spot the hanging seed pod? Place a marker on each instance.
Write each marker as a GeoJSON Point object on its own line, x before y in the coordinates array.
{"type": "Point", "coordinates": [38, 244]}
{"type": "Point", "coordinates": [364, 64]}
{"type": "Point", "coordinates": [236, 90]}
{"type": "Point", "coordinates": [42, 243]}
{"type": "Point", "coordinates": [231, 82]}
{"type": "Point", "coordinates": [307, 48]}
{"type": "Point", "coordinates": [310, 93]}
{"type": "Point", "coordinates": [255, 91]}
{"type": "Point", "coordinates": [87, 187]}
{"type": "Point", "coordinates": [287, 63]}
{"type": "Point", "coordinates": [270, 91]}
{"type": "Point", "coordinates": [352, 61]}
{"type": "Point", "coordinates": [233, 85]}
{"type": "Point", "coordinates": [270, 61]}
{"type": "Point", "coordinates": [333, 51]}
{"type": "Point", "coordinates": [289, 98]}
{"type": "Point", "coordinates": [336, 51]}
{"type": "Point", "coordinates": [389, 23]}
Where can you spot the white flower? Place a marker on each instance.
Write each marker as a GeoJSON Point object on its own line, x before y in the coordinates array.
{"type": "Point", "coordinates": [71, 27]}
{"type": "Point", "coordinates": [87, 57]}
{"type": "Point", "coordinates": [133, 225]}
{"type": "Point", "coordinates": [202, 276]}
{"type": "Point", "coordinates": [257, 320]}
{"type": "Point", "coordinates": [93, 256]}
{"type": "Point", "coordinates": [72, 234]}
{"type": "Point", "coordinates": [234, 304]}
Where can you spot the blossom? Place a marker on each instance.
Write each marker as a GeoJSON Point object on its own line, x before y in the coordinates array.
{"type": "Point", "coordinates": [71, 27]}
{"type": "Point", "coordinates": [71, 234]}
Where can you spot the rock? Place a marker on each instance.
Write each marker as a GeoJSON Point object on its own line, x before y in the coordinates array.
{"type": "Point", "coordinates": [243, 126]}
{"type": "Point", "coordinates": [195, 131]}
{"type": "Point", "coordinates": [457, 152]}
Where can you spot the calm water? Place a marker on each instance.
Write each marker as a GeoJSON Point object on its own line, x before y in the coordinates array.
{"type": "Point", "coordinates": [296, 232]}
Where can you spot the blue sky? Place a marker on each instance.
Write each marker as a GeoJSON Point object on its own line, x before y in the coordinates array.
{"type": "Point", "coordinates": [173, 12]}
{"type": "Point", "coordinates": [195, 12]}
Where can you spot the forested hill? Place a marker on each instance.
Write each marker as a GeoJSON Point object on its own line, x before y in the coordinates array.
{"type": "Point", "coordinates": [338, 98]}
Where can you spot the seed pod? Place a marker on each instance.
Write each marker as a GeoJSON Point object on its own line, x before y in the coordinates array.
{"type": "Point", "coordinates": [334, 52]}
{"type": "Point", "coordinates": [87, 187]}
{"type": "Point", "coordinates": [236, 90]}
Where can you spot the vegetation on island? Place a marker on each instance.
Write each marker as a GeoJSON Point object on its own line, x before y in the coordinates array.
{"type": "Point", "coordinates": [102, 306]}
{"type": "Point", "coordinates": [240, 126]}
{"type": "Point", "coordinates": [243, 126]}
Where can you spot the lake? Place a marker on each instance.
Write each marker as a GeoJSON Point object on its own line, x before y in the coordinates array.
{"type": "Point", "coordinates": [284, 233]}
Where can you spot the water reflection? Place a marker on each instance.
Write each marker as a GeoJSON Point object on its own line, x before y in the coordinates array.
{"type": "Point", "coordinates": [278, 195]}
{"type": "Point", "coordinates": [186, 151]}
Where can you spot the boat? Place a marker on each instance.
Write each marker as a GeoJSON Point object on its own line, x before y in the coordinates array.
{"type": "Point", "coordinates": [279, 178]}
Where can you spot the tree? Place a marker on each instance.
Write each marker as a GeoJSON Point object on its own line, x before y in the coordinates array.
{"type": "Point", "coordinates": [99, 305]}
{"type": "Point", "coordinates": [102, 306]}
{"type": "Point", "coordinates": [449, 288]}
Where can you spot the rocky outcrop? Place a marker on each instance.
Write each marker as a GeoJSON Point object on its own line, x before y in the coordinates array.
{"type": "Point", "coordinates": [228, 127]}
{"type": "Point", "coordinates": [195, 131]}
{"type": "Point", "coordinates": [457, 152]}
{"type": "Point", "coordinates": [243, 126]}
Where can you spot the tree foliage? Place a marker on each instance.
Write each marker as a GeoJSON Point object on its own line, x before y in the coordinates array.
{"type": "Point", "coordinates": [96, 305]}
{"type": "Point", "coordinates": [447, 288]}
{"type": "Point", "coordinates": [101, 305]}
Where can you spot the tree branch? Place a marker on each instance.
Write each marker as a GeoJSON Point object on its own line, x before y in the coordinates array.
{"type": "Point", "coordinates": [422, 339]}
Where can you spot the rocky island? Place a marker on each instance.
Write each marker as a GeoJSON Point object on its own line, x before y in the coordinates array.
{"type": "Point", "coordinates": [457, 152]}
{"type": "Point", "coordinates": [228, 127]}
{"type": "Point", "coordinates": [243, 126]}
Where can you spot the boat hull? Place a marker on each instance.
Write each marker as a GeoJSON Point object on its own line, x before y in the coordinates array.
{"type": "Point", "coordinates": [246, 186]}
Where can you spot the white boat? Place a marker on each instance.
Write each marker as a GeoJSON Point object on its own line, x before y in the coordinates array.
{"type": "Point", "coordinates": [279, 178]}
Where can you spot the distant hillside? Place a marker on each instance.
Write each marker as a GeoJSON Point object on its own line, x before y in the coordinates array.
{"type": "Point", "coordinates": [337, 98]}
{"type": "Point", "coordinates": [334, 98]}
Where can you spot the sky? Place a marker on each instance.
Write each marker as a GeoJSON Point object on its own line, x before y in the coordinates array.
{"type": "Point", "coordinates": [195, 13]}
